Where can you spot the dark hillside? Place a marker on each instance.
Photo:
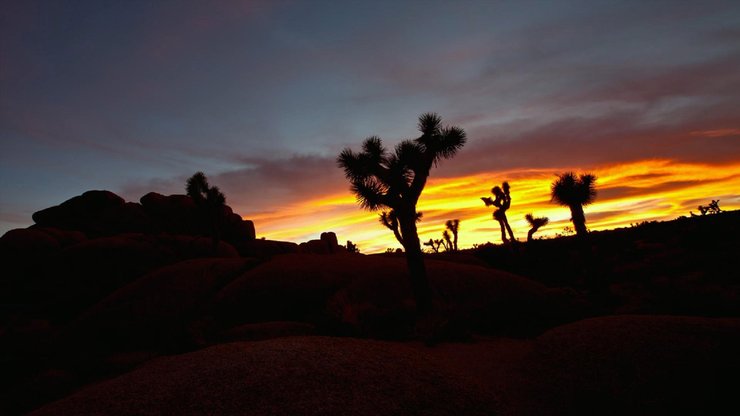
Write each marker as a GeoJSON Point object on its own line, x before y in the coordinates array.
{"type": "Point", "coordinates": [685, 266]}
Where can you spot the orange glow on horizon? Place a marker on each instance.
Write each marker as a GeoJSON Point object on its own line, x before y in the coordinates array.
{"type": "Point", "coordinates": [627, 193]}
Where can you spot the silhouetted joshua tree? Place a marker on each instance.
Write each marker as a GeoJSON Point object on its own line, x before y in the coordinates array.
{"type": "Point", "coordinates": [712, 208]}
{"type": "Point", "coordinates": [453, 226]}
{"type": "Point", "coordinates": [447, 241]}
{"type": "Point", "coordinates": [535, 223]}
{"type": "Point", "coordinates": [395, 180]}
{"type": "Point", "coordinates": [434, 244]}
{"type": "Point", "coordinates": [210, 201]}
{"type": "Point", "coordinates": [502, 204]}
{"type": "Point", "coordinates": [574, 192]}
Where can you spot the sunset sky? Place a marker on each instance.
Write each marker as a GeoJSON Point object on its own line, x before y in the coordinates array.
{"type": "Point", "coordinates": [135, 96]}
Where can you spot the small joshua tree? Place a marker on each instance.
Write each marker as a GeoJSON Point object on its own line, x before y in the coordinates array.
{"type": "Point", "coordinates": [434, 244]}
{"type": "Point", "coordinates": [712, 208]}
{"type": "Point", "coordinates": [447, 241]}
{"type": "Point", "coordinates": [535, 223]}
{"type": "Point", "coordinates": [502, 204]}
{"type": "Point", "coordinates": [453, 226]}
{"type": "Point", "coordinates": [381, 179]}
{"type": "Point", "coordinates": [209, 200]}
{"type": "Point", "coordinates": [575, 191]}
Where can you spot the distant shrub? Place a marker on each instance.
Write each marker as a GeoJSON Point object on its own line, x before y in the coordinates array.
{"type": "Point", "coordinates": [712, 208]}
{"type": "Point", "coordinates": [352, 247]}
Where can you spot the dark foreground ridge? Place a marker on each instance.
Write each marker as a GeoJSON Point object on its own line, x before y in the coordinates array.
{"type": "Point", "coordinates": [109, 307]}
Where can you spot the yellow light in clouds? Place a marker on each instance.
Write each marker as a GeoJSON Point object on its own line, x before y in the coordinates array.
{"type": "Point", "coordinates": [628, 193]}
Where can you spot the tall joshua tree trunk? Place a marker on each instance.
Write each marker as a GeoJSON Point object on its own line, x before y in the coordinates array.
{"type": "Point", "coordinates": [415, 262]}
{"type": "Point", "coordinates": [579, 219]}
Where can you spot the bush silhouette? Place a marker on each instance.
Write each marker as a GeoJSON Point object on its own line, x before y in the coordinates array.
{"type": "Point", "coordinates": [712, 208]}
{"type": "Point", "coordinates": [381, 179]}
{"type": "Point", "coordinates": [502, 204]}
{"type": "Point", "coordinates": [535, 223]}
{"type": "Point", "coordinates": [209, 200]}
{"type": "Point", "coordinates": [574, 192]}
{"type": "Point", "coordinates": [352, 247]}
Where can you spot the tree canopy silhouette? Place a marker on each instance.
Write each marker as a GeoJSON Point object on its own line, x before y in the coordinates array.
{"type": "Point", "coordinates": [209, 200]}
{"type": "Point", "coordinates": [575, 191]}
{"type": "Point", "coordinates": [382, 179]}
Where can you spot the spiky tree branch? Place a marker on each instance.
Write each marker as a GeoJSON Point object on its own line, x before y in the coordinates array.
{"type": "Point", "coordinates": [390, 221]}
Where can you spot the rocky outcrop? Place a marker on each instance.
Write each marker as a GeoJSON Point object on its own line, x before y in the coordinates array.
{"type": "Point", "coordinates": [103, 213]}
{"type": "Point", "coordinates": [157, 309]}
{"type": "Point", "coordinates": [327, 244]}
{"type": "Point", "coordinates": [267, 330]}
{"type": "Point", "coordinates": [262, 249]}
{"type": "Point", "coordinates": [95, 213]}
{"type": "Point", "coordinates": [633, 364]}
{"type": "Point", "coordinates": [285, 376]}
{"type": "Point", "coordinates": [371, 296]}
{"type": "Point", "coordinates": [21, 241]}
{"type": "Point", "coordinates": [176, 214]}
{"type": "Point", "coordinates": [63, 271]}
